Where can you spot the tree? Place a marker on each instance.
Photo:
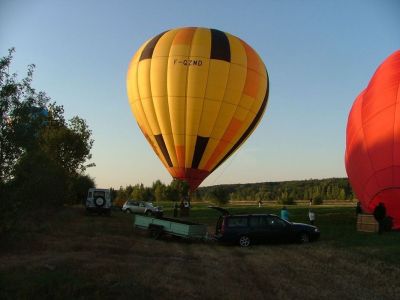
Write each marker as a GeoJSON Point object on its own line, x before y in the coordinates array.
{"type": "Point", "coordinates": [42, 156]}
{"type": "Point", "coordinates": [179, 189]}
{"type": "Point", "coordinates": [80, 186]}
{"type": "Point", "coordinates": [218, 195]}
{"type": "Point", "coordinates": [159, 191]}
{"type": "Point", "coordinates": [20, 107]}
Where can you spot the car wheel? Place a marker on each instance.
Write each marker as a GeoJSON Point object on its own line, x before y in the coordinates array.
{"type": "Point", "coordinates": [148, 213]}
{"type": "Point", "coordinates": [304, 238]}
{"type": "Point", "coordinates": [128, 211]}
{"type": "Point", "coordinates": [244, 241]}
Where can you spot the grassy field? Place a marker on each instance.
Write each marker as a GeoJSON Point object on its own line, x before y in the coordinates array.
{"type": "Point", "coordinates": [73, 256]}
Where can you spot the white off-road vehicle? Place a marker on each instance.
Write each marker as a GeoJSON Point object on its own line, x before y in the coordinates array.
{"type": "Point", "coordinates": [99, 201]}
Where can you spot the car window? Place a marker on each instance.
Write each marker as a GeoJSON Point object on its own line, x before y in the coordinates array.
{"type": "Point", "coordinates": [99, 194]}
{"type": "Point", "coordinates": [237, 222]}
{"type": "Point", "coordinates": [141, 204]}
{"type": "Point", "coordinates": [258, 221]}
{"type": "Point", "coordinates": [275, 222]}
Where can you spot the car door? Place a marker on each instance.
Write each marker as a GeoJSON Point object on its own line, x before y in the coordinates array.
{"type": "Point", "coordinates": [141, 208]}
{"type": "Point", "coordinates": [259, 229]}
{"type": "Point", "coordinates": [279, 230]}
{"type": "Point", "coordinates": [133, 206]}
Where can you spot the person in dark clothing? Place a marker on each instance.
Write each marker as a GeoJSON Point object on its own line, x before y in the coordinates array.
{"type": "Point", "coordinates": [380, 214]}
{"type": "Point", "coordinates": [358, 208]}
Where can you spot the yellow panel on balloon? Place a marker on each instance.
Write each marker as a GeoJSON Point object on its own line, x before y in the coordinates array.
{"type": "Point", "coordinates": [158, 80]}
{"type": "Point", "coordinates": [246, 102]}
{"type": "Point", "coordinates": [177, 77]}
{"type": "Point", "coordinates": [144, 79]}
{"type": "Point", "coordinates": [197, 77]}
{"type": "Point", "coordinates": [208, 117]}
{"type": "Point", "coordinates": [163, 46]}
{"type": "Point", "coordinates": [225, 116]}
{"type": "Point", "coordinates": [177, 112]}
{"type": "Point", "coordinates": [161, 108]}
{"type": "Point", "coordinates": [238, 53]}
{"type": "Point", "coordinates": [140, 116]}
{"type": "Point", "coordinates": [241, 113]}
{"type": "Point", "coordinates": [132, 90]}
{"type": "Point", "coordinates": [201, 43]}
{"type": "Point", "coordinates": [217, 79]}
{"type": "Point", "coordinates": [194, 109]}
{"type": "Point", "coordinates": [151, 117]}
{"type": "Point", "coordinates": [235, 84]}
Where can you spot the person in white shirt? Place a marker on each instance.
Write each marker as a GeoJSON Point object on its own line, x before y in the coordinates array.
{"type": "Point", "coordinates": [311, 216]}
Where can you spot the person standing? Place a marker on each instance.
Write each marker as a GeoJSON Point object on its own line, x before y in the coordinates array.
{"type": "Point", "coordinates": [358, 208]}
{"type": "Point", "coordinates": [380, 214]}
{"type": "Point", "coordinates": [311, 216]}
{"type": "Point", "coordinates": [284, 214]}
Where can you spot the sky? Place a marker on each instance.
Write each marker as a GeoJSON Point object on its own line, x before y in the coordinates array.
{"type": "Point", "coordinates": [319, 55]}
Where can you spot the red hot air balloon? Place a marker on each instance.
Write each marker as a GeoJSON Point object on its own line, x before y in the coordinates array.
{"type": "Point", "coordinates": [373, 141]}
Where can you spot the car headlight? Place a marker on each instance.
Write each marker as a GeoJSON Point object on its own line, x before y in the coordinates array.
{"type": "Point", "coordinates": [316, 230]}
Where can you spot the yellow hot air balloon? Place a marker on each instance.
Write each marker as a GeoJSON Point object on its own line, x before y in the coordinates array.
{"type": "Point", "coordinates": [197, 94]}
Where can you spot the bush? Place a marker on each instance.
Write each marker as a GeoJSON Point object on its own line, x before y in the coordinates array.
{"type": "Point", "coordinates": [286, 201]}
{"type": "Point", "coordinates": [219, 196]}
{"type": "Point", "coordinates": [317, 200]}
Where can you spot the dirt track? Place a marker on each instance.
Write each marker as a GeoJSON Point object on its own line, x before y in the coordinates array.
{"type": "Point", "coordinates": [99, 257]}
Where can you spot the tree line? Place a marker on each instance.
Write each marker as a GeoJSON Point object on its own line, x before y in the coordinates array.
{"type": "Point", "coordinates": [43, 156]}
{"type": "Point", "coordinates": [286, 192]}
{"type": "Point", "coordinates": [177, 190]}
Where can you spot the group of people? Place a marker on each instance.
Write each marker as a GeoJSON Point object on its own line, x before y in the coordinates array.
{"type": "Point", "coordinates": [184, 208]}
{"type": "Point", "coordinates": [285, 215]}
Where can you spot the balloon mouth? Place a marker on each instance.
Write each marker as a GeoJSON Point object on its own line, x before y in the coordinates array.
{"type": "Point", "coordinates": [390, 197]}
{"type": "Point", "coordinates": [194, 177]}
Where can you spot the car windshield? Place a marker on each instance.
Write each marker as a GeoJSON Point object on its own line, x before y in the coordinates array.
{"type": "Point", "coordinates": [276, 222]}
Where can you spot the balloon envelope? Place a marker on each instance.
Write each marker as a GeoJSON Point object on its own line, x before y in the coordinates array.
{"type": "Point", "coordinates": [373, 141]}
{"type": "Point", "coordinates": [197, 94]}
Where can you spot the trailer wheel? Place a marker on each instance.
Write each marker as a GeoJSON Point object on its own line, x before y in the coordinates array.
{"type": "Point", "coordinates": [156, 231]}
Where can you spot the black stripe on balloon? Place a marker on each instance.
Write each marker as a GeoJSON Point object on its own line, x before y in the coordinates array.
{"type": "Point", "coordinates": [251, 127]}
{"type": "Point", "coordinates": [149, 49]}
{"type": "Point", "coordinates": [201, 144]}
{"type": "Point", "coordinates": [163, 147]}
{"type": "Point", "coordinates": [220, 48]}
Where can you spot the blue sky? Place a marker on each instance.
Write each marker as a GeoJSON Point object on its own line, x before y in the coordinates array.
{"type": "Point", "coordinates": [319, 56]}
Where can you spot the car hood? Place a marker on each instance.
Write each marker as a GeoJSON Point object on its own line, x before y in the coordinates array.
{"type": "Point", "coordinates": [305, 226]}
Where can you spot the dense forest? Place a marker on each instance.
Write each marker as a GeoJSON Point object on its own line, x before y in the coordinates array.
{"type": "Point", "coordinates": [285, 192]}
